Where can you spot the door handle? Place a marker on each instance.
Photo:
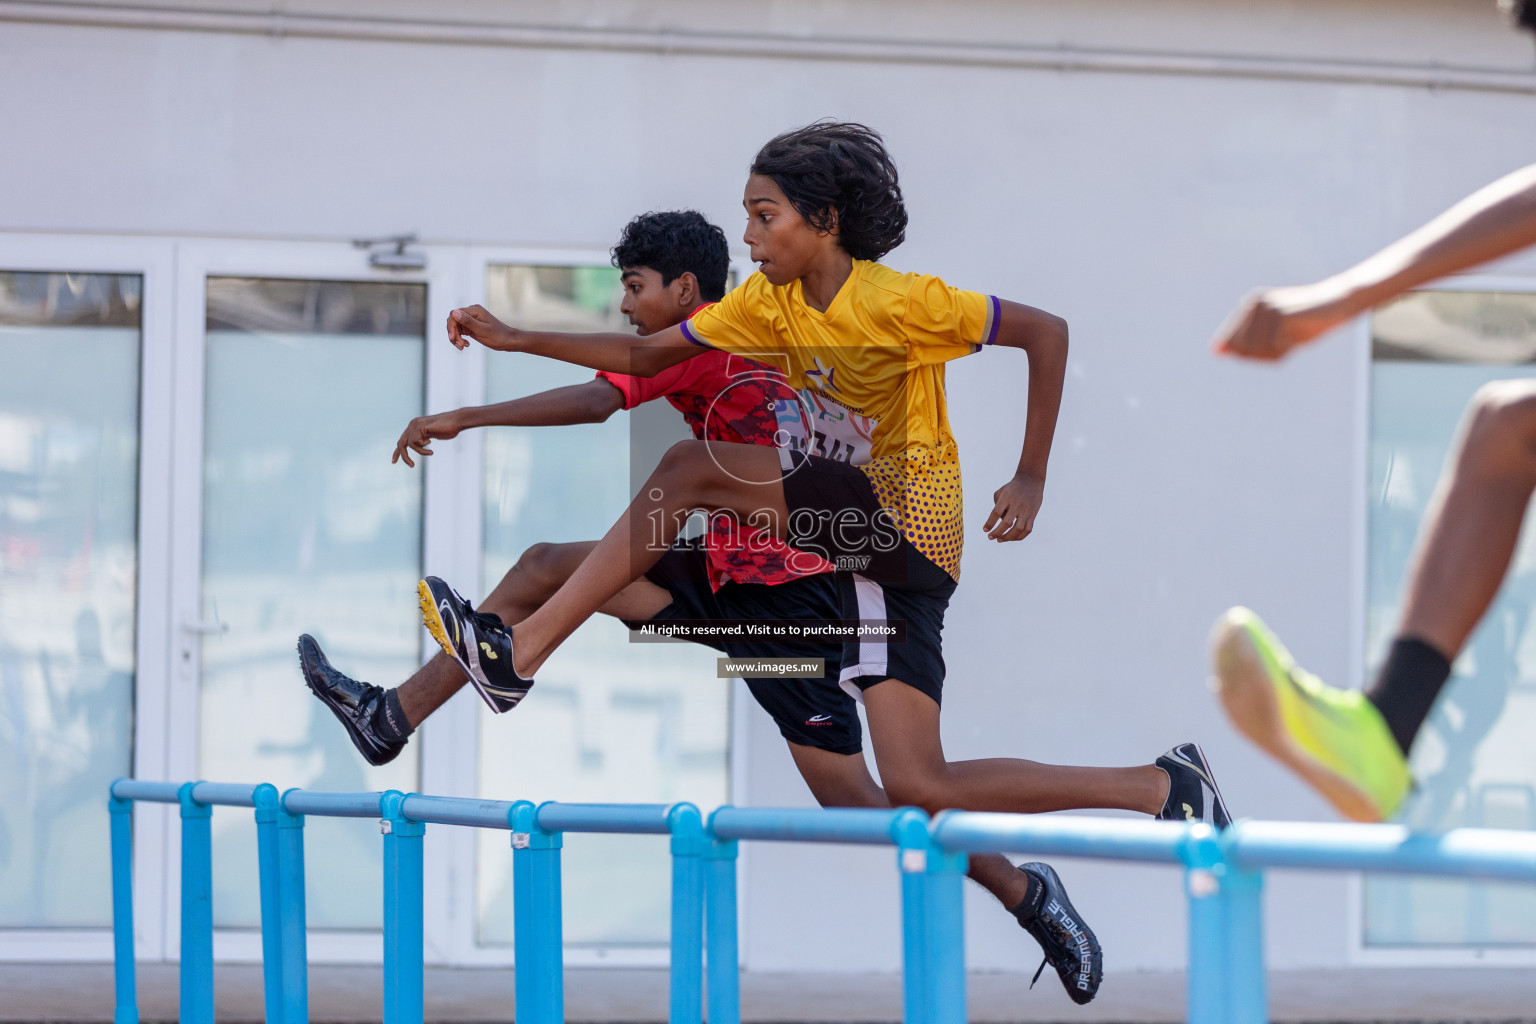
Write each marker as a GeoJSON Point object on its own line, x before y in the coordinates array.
{"type": "Point", "coordinates": [203, 627]}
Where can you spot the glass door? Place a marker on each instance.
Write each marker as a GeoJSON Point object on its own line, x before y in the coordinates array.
{"type": "Point", "coordinates": [69, 458]}
{"type": "Point", "coordinates": [298, 367]}
{"type": "Point", "coordinates": [307, 528]}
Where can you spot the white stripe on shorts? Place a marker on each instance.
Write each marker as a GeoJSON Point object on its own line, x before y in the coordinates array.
{"type": "Point", "coordinates": [874, 656]}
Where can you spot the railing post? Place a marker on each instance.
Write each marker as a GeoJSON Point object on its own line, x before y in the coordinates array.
{"type": "Point", "coordinates": [722, 959]}
{"type": "Point", "coordinates": [539, 940]}
{"type": "Point", "coordinates": [126, 1009]}
{"type": "Point", "coordinates": [291, 915]}
{"type": "Point", "coordinates": [687, 962]}
{"type": "Point", "coordinates": [1204, 876]}
{"type": "Point", "coordinates": [196, 908]}
{"type": "Point", "coordinates": [909, 830]}
{"type": "Point", "coordinates": [944, 920]}
{"type": "Point", "coordinates": [403, 960]}
{"type": "Point", "coordinates": [1243, 906]}
{"type": "Point", "coordinates": [264, 797]}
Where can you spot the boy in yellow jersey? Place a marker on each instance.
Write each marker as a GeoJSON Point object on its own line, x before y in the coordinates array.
{"type": "Point", "coordinates": [823, 204]}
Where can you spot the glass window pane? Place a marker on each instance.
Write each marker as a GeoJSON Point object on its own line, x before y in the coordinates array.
{"type": "Point", "coordinates": [608, 721]}
{"type": "Point", "coordinates": [69, 443]}
{"type": "Point", "coordinates": [307, 528]}
{"type": "Point", "coordinates": [1474, 761]}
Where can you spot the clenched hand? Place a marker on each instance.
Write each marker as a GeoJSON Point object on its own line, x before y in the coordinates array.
{"type": "Point", "coordinates": [1273, 321]}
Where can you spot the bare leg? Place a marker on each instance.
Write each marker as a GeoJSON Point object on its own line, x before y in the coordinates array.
{"type": "Point", "coordinates": [528, 584]}
{"type": "Point", "coordinates": [904, 727]}
{"type": "Point", "coordinates": [739, 478]}
{"type": "Point", "coordinates": [843, 780]}
{"type": "Point", "coordinates": [1473, 523]}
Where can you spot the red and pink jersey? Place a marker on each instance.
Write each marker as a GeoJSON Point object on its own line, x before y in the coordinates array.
{"type": "Point", "coordinates": [727, 397]}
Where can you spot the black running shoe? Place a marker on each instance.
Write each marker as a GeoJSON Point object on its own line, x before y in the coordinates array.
{"type": "Point", "coordinates": [476, 640]}
{"type": "Point", "coordinates": [1192, 792]}
{"type": "Point", "coordinates": [1069, 944]}
{"type": "Point", "coordinates": [353, 703]}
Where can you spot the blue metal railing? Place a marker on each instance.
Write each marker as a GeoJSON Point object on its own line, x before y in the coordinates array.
{"type": "Point", "coordinates": [1223, 882]}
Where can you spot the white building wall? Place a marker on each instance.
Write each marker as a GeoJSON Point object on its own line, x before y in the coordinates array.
{"type": "Point", "coordinates": [1139, 206]}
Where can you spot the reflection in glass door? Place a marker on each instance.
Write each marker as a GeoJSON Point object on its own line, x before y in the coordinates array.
{"type": "Point", "coordinates": [307, 528]}
{"type": "Point", "coordinates": [69, 445]}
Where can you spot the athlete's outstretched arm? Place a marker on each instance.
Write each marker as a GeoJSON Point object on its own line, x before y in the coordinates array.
{"type": "Point", "coordinates": [591, 402]}
{"type": "Point", "coordinates": [1492, 222]}
{"type": "Point", "coordinates": [1043, 337]}
{"type": "Point", "coordinates": [617, 353]}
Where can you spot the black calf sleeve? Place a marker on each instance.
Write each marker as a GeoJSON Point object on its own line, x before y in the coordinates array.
{"type": "Point", "coordinates": [1406, 687]}
{"type": "Point", "coordinates": [390, 720]}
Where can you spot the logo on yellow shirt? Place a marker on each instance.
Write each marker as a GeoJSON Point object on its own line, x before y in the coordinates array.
{"type": "Point", "coordinates": [822, 376]}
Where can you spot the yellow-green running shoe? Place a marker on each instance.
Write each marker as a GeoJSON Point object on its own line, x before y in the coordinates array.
{"type": "Point", "coordinates": [1334, 739]}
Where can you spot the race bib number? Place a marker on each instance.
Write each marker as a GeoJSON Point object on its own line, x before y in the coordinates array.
{"type": "Point", "coordinates": [811, 424]}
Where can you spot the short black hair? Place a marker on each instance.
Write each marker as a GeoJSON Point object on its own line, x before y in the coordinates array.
{"type": "Point", "coordinates": [837, 173]}
{"type": "Point", "coordinates": [674, 243]}
{"type": "Point", "coordinates": [1521, 12]}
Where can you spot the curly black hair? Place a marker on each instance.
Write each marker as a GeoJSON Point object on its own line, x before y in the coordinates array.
{"type": "Point", "coordinates": [1521, 12]}
{"type": "Point", "coordinates": [674, 243]}
{"type": "Point", "coordinates": [838, 174]}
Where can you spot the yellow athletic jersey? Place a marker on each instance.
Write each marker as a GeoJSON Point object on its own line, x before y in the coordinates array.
{"type": "Point", "coordinates": [875, 359]}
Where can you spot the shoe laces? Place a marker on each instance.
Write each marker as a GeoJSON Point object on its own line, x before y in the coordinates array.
{"type": "Point", "coordinates": [487, 621]}
{"type": "Point", "coordinates": [1039, 971]}
{"type": "Point", "coordinates": [1053, 940]}
{"type": "Point", "coordinates": [369, 691]}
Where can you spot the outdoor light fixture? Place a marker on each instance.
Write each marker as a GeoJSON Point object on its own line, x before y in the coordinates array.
{"type": "Point", "coordinates": [380, 254]}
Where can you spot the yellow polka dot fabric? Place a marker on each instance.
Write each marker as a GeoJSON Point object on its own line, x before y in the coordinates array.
{"type": "Point", "coordinates": [921, 487]}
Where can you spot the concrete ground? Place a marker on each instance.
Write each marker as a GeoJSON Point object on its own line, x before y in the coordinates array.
{"type": "Point", "coordinates": [83, 993]}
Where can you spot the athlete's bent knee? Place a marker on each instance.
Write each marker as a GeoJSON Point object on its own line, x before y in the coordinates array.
{"type": "Point", "coordinates": [539, 565]}
{"type": "Point", "coordinates": [925, 791]}
{"type": "Point", "coordinates": [689, 475]}
{"type": "Point", "coordinates": [1502, 419]}
{"type": "Point", "coordinates": [850, 793]}
{"type": "Point", "coordinates": [683, 458]}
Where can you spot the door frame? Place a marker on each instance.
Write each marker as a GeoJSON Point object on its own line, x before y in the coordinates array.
{"type": "Point", "coordinates": [155, 832]}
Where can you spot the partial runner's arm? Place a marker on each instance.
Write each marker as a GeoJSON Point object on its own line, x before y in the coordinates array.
{"type": "Point", "coordinates": [1043, 338]}
{"type": "Point", "coordinates": [616, 353]}
{"type": "Point", "coordinates": [1492, 222]}
{"type": "Point", "coordinates": [592, 402]}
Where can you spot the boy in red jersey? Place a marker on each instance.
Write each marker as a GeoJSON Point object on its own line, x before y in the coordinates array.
{"type": "Point", "coordinates": [672, 264]}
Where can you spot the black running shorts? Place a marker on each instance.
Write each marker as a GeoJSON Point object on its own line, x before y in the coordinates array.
{"type": "Point", "coordinates": [811, 712]}
{"type": "Point", "coordinates": [881, 575]}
